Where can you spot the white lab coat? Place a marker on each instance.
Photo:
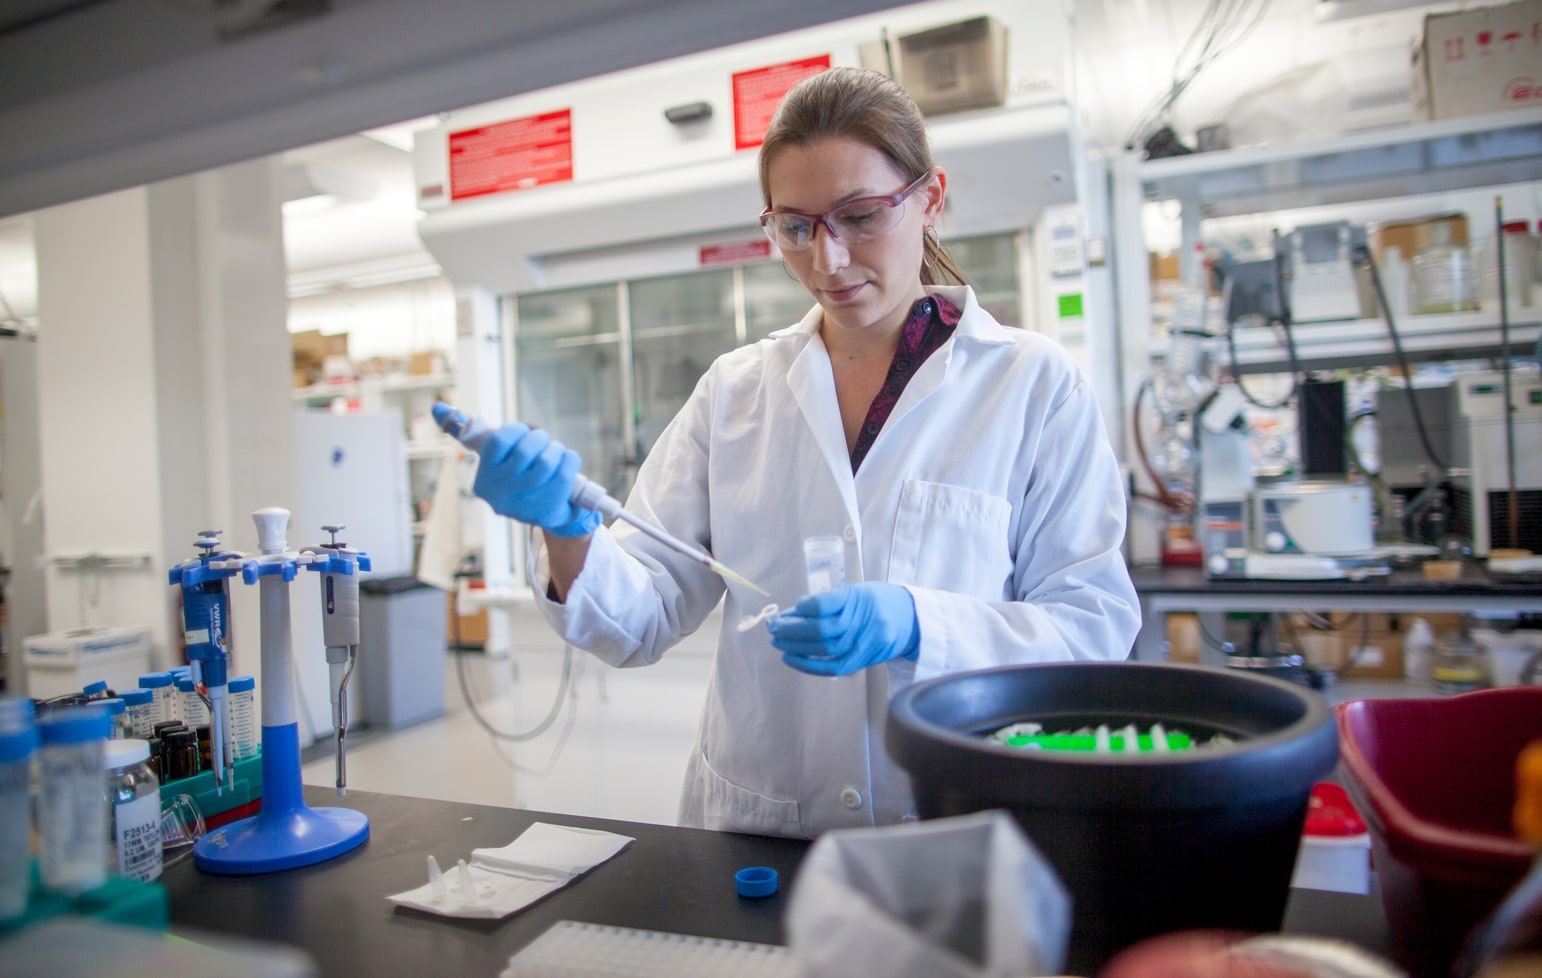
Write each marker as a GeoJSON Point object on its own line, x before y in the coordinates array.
{"type": "Point", "coordinates": [992, 494]}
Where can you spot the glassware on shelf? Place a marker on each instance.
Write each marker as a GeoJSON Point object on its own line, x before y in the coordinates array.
{"type": "Point", "coordinates": [1444, 280]}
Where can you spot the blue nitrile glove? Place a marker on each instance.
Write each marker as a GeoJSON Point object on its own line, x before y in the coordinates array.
{"type": "Point", "coordinates": [850, 628]}
{"type": "Point", "coordinates": [527, 475]}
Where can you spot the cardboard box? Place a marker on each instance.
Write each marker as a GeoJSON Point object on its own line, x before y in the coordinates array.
{"type": "Point", "coordinates": [1477, 61]}
{"type": "Point", "coordinates": [423, 364]}
{"type": "Point", "coordinates": [1411, 236]}
{"type": "Point", "coordinates": [1184, 641]}
{"type": "Point", "coordinates": [311, 346]}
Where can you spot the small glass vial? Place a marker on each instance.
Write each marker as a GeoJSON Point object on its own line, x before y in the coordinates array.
{"type": "Point", "coordinates": [1459, 666]}
{"type": "Point", "coordinates": [18, 745]}
{"type": "Point", "coordinates": [824, 561]}
{"type": "Point", "coordinates": [243, 718]}
{"type": "Point", "coordinates": [72, 799]}
{"type": "Point", "coordinates": [180, 748]}
{"type": "Point", "coordinates": [161, 689]}
{"type": "Point", "coordinates": [134, 841]}
{"type": "Point", "coordinates": [194, 713]}
{"type": "Point", "coordinates": [118, 710]}
{"type": "Point", "coordinates": [139, 703]}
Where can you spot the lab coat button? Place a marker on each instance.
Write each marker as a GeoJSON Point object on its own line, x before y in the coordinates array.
{"type": "Point", "coordinates": [850, 533]}
{"type": "Point", "coordinates": [851, 799]}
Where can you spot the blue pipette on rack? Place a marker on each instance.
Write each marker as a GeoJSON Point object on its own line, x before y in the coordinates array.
{"type": "Point", "coordinates": [588, 494]}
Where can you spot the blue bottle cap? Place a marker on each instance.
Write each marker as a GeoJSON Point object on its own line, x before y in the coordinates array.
{"type": "Point", "coordinates": [18, 744]}
{"type": "Point", "coordinates": [91, 689]}
{"type": "Point", "coordinates": [181, 672]}
{"type": "Point", "coordinates": [755, 881]}
{"type": "Point", "coordinates": [154, 680]}
{"type": "Point", "coordinates": [185, 686]}
{"type": "Point", "coordinates": [75, 725]}
{"type": "Point", "coordinates": [137, 697]}
{"type": "Point", "coordinates": [243, 684]}
{"type": "Point", "coordinates": [15, 713]}
{"type": "Point", "coordinates": [114, 704]}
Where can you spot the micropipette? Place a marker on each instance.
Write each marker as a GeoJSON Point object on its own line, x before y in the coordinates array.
{"type": "Point", "coordinates": [205, 616]}
{"type": "Point", "coordinates": [338, 565]}
{"type": "Point", "coordinates": [588, 494]}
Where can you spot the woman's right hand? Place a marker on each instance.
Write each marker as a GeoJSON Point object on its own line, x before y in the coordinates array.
{"type": "Point", "coordinates": [527, 475]}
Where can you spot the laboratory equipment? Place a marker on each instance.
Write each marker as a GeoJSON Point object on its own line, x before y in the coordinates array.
{"type": "Point", "coordinates": [339, 565]}
{"type": "Point", "coordinates": [1481, 457]}
{"type": "Point", "coordinates": [1322, 282]}
{"type": "Point", "coordinates": [60, 663]}
{"type": "Point", "coordinates": [472, 432]}
{"type": "Point", "coordinates": [1321, 518]}
{"type": "Point", "coordinates": [163, 703]}
{"type": "Point", "coordinates": [243, 718]}
{"type": "Point", "coordinates": [18, 742]}
{"type": "Point", "coordinates": [134, 840]}
{"type": "Point", "coordinates": [205, 592]}
{"type": "Point", "coordinates": [1208, 838]}
{"type": "Point", "coordinates": [286, 833]}
{"type": "Point", "coordinates": [824, 561]}
{"type": "Point", "coordinates": [72, 809]}
{"type": "Point", "coordinates": [96, 691]}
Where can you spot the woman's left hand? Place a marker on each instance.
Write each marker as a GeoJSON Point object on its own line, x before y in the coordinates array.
{"type": "Point", "coordinates": [839, 632]}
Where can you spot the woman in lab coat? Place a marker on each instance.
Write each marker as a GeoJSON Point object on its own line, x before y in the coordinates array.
{"type": "Point", "coordinates": [964, 464]}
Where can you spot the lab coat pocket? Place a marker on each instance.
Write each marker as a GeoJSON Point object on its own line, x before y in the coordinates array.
{"type": "Point", "coordinates": [728, 807]}
{"type": "Point", "coordinates": [951, 538]}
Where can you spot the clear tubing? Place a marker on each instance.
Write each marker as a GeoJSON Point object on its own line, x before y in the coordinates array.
{"type": "Point", "coordinates": [243, 722]}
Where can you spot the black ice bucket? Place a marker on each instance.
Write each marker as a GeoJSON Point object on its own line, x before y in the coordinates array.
{"type": "Point", "coordinates": [1146, 843]}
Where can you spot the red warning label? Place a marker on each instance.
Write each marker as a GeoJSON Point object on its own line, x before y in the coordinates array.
{"type": "Point", "coordinates": [513, 155]}
{"type": "Point", "coordinates": [759, 91]}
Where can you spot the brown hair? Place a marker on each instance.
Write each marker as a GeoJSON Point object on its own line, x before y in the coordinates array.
{"type": "Point", "coordinates": [872, 108]}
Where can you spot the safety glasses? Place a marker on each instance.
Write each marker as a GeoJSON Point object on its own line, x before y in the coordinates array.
{"type": "Point", "coordinates": [856, 220]}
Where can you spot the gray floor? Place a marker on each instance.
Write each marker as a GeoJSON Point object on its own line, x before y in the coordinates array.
{"type": "Point", "coordinates": [616, 749]}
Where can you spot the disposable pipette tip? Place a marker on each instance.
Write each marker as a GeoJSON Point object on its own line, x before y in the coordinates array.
{"type": "Point", "coordinates": [435, 878]}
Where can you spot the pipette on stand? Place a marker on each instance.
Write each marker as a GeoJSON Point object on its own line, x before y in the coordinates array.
{"type": "Point", "coordinates": [588, 494]}
{"type": "Point", "coordinates": [338, 566]}
{"type": "Point", "coordinates": [205, 586]}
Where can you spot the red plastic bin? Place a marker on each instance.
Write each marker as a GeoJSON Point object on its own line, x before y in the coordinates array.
{"type": "Point", "coordinates": [1435, 780]}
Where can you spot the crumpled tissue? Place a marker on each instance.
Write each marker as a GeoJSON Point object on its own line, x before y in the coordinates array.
{"type": "Point", "coordinates": [497, 882]}
{"type": "Point", "coordinates": [961, 897]}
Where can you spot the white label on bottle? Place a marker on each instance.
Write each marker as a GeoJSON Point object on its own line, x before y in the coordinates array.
{"type": "Point", "coordinates": [137, 825]}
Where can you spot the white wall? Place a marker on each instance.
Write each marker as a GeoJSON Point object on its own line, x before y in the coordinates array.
{"type": "Point", "coordinates": [392, 321]}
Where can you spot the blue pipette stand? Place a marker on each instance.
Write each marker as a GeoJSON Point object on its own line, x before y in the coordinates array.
{"type": "Point", "coordinates": [286, 833]}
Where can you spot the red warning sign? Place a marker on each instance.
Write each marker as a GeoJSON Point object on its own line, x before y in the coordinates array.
{"type": "Point", "coordinates": [737, 253]}
{"type": "Point", "coordinates": [514, 155]}
{"type": "Point", "coordinates": [759, 91]}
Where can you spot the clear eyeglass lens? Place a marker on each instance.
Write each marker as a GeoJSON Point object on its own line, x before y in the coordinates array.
{"type": "Point", "coordinates": [857, 221]}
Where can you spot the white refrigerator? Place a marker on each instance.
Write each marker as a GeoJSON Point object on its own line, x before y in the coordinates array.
{"type": "Point", "coordinates": [350, 469]}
